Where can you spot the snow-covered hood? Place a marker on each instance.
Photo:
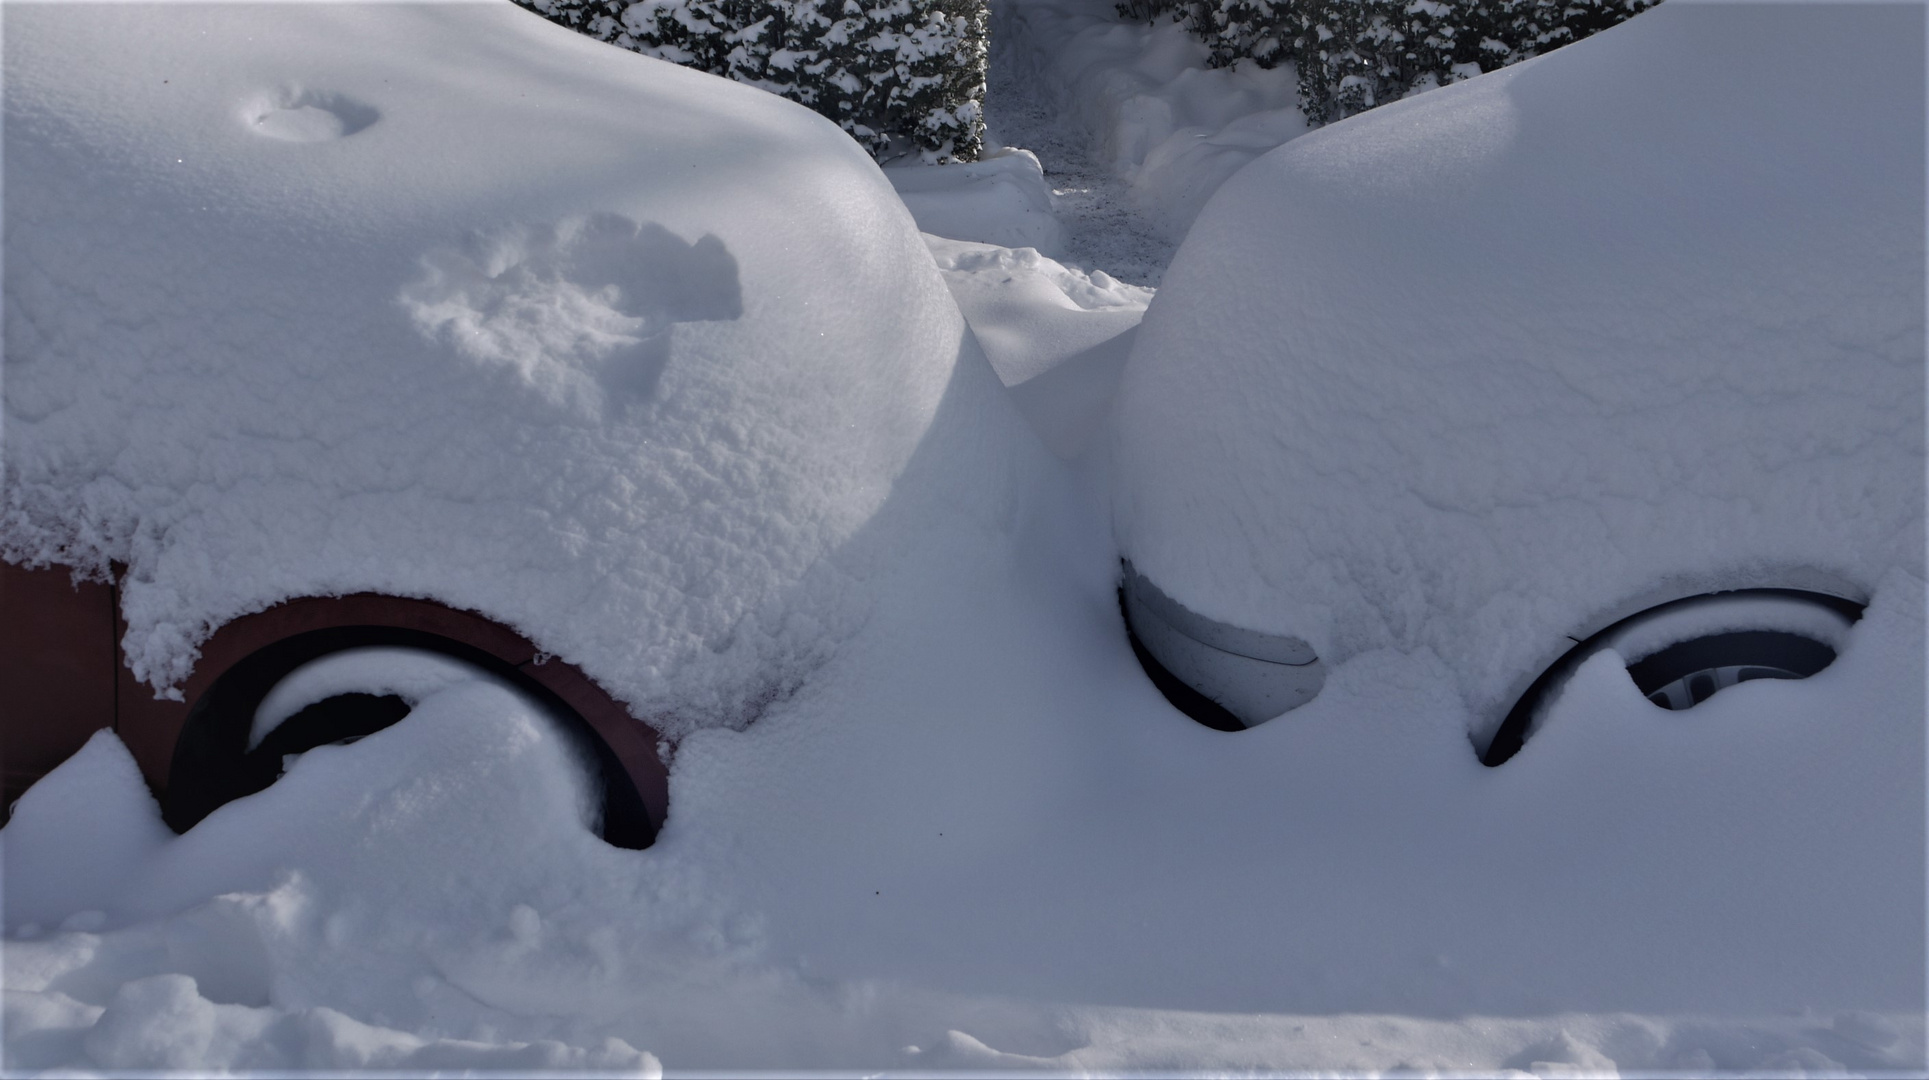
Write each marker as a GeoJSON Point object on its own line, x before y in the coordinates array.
{"type": "Point", "coordinates": [447, 301]}
{"type": "Point", "coordinates": [1462, 374]}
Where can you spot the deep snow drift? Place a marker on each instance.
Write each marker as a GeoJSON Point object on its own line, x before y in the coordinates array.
{"type": "Point", "coordinates": [1056, 336]}
{"type": "Point", "coordinates": [974, 837]}
{"type": "Point", "coordinates": [1000, 199]}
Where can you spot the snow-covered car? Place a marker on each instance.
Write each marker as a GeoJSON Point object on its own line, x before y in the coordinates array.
{"type": "Point", "coordinates": [1618, 349]}
{"type": "Point", "coordinates": [583, 382]}
{"type": "Point", "coordinates": [333, 329]}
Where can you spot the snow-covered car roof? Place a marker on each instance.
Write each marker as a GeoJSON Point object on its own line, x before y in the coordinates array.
{"type": "Point", "coordinates": [618, 354]}
{"type": "Point", "coordinates": [1484, 368]}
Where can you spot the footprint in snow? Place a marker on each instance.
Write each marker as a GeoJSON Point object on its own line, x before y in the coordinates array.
{"type": "Point", "coordinates": [581, 310]}
{"type": "Point", "coordinates": [307, 116]}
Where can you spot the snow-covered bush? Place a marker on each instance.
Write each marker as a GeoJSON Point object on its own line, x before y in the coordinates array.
{"type": "Point", "coordinates": [1354, 54]}
{"type": "Point", "coordinates": [899, 75]}
{"type": "Point", "coordinates": [1148, 10]}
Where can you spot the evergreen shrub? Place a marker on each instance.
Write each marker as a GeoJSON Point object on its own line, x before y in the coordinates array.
{"type": "Point", "coordinates": [901, 76]}
{"type": "Point", "coordinates": [1354, 54]}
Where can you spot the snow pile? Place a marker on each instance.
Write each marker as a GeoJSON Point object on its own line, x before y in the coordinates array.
{"type": "Point", "coordinates": [447, 301]}
{"type": "Point", "coordinates": [1460, 373]}
{"type": "Point", "coordinates": [1001, 199]}
{"type": "Point", "coordinates": [1056, 336]}
{"type": "Point", "coordinates": [992, 229]}
{"type": "Point", "coordinates": [256, 929]}
{"type": "Point", "coordinates": [1172, 127]}
{"type": "Point", "coordinates": [1030, 313]}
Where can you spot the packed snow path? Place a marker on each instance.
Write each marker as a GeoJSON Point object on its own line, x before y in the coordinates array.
{"type": "Point", "coordinates": [1103, 230]}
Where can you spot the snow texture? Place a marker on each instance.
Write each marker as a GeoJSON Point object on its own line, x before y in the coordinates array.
{"type": "Point", "coordinates": [1736, 889]}
{"type": "Point", "coordinates": [973, 837]}
{"type": "Point", "coordinates": [410, 674]}
{"type": "Point", "coordinates": [333, 313]}
{"type": "Point", "coordinates": [1460, 373]}
{"type": "Point", "coordinates": [1056, 336]}
{"type": "Point", "coordinates": [238, 980]}
{"type": "Point", "coordinates": [999, 199]}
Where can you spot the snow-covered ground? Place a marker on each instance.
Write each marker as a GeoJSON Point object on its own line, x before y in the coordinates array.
{"type": "Point", "coordinates": [736, 454]}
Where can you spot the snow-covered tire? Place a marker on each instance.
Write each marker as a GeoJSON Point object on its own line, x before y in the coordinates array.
{"type": "Point", "coordinates": [196, 751]}
{"type": "Point", "coordinates": [1683, 652]}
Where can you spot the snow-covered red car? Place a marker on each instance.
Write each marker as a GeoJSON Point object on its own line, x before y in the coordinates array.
{"type": "Point", "coordinates": [333, 344]}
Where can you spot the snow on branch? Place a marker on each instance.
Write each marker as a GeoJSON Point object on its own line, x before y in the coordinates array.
{"type": "Point", "coordinates": [1354, 54]}
{"type": "Point", "coordinates": [900, 76]}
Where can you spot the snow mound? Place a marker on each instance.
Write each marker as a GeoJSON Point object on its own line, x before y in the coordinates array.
{"type": "Point", "coordinates": [1001, 199]}
{"type": "Point", "coordinates": [446, 301]}
{"type": "Point", "coordinates": [410, 674]}
{"type": "Point", "coordinates": [411, 877]}
{"type": "Point", "coordinates": [1057, 336]}
{"type": "Point", "coordinates": [1643, 315]}
{"type": "Point", "coordinates": [162, 1022]}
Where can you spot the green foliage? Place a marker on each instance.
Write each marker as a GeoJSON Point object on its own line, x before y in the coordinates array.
{"type": "Point", "coordinates": [900, 76]}
{"type": "Point", "coordinates": [1354, 54]}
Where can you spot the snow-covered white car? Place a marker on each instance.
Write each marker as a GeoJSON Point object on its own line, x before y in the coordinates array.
{"type": "Point", "coordinates": [1617, 349]}
{"type": "Point", "coordinates": [584, 369]}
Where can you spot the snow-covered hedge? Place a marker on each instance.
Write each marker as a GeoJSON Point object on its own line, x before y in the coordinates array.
{"type": "Point", "coordinates": [1354, 54]}
{"type": "Point", "coordinates": [899, 75]}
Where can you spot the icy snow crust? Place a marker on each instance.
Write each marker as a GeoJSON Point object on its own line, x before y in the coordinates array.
{"type": "Point", "coordinates": [974, 838]}
{"type": "Point", "coordinates": [616, 354]}
{"type": "Point", "coordinates": [1643, 317]}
